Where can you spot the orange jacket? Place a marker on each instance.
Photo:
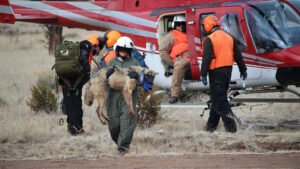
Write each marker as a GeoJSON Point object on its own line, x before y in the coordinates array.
{"type": "Point", "coordinates": [223, 49]}
{"type": "Point", "coordinates": [109, 55]}
{"type": "Point", "coordinates": [180, 45]}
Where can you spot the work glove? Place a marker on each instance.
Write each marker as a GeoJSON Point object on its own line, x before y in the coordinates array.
{"type": "Point", "coordinates": [110, 72]}
{"type": "Point", "coordinates": [133, 75]}
{"type": "Point", "coordinates": [244, 75]}
{"type": "Point", "coordinates": [60, 81]}
{"type": "Point", "coordinates": [204, 80]}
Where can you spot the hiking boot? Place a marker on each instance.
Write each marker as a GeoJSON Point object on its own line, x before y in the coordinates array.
{"type": "Point", "coordinates": [173, 100]}
{"type": "Point", "coordinates": [212, 123]}
{"type": "Point", "coordinates": [229, 124]}
{"type": "Point", "coordinates": [74, 131]}
{"type": "Point", "coordinates": [122, 153]}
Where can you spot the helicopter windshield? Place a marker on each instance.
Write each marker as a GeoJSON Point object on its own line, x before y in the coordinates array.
{"type": "Point", "coordinates": [273, 26]}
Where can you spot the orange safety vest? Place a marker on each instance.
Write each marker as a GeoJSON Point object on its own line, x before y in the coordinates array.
{"type": "Point", "coordinates": [223, 49]}
{"type": "Point", "coordinates": [91, 58]}
{"type": "Point", "coordinates": [109, 55]}
{"type": "Point", "coordinates": [180, 45]}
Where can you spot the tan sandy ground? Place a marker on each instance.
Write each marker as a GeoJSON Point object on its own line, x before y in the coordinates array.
{"type": "Point", "coordinates": [179, 134]}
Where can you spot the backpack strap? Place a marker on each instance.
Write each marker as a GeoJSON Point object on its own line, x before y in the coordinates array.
{"type": "Point", "coordinates": [74, 87]}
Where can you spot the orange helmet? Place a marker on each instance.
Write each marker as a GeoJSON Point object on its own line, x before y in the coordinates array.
{"type": "Point", "coordinates": [209, 22]}
{"type": "Point", "coordinates": [94, 39]}
{"type": "Point", "coordinates": [111, 37]}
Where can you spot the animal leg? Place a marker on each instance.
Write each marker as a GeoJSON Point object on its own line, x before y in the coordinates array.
{"type": "Point", "coordinates": [127, 94]}
{"type": "Point", "coordinates": [88, 96]}
{"type": "Point", "coordinates": [100, 115]}
{"type": "Point", "coordinates": [102, 100]}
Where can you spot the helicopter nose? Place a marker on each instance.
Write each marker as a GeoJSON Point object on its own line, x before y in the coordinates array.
{"type": "Point", "coordinates": [290, 74]}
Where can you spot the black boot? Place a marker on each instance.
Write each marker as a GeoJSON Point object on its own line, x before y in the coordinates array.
{"type": "Point", "coordinates": [229, 124]}
{"type": "Point", "coordinates": [74, 131]}
{"type": "Point", "coordinates": [173, 99]}
{"type": "Point", "coordinates": [213, 121]}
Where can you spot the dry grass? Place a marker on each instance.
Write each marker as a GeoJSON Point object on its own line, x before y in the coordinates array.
{"type": "Point", "coordinates": [27, 135]}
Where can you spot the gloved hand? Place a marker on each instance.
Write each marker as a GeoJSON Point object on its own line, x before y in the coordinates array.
{"type": "Point", "coordinates": [244, 75]}
{"type": "Point", "coordinates": [133, 75]}
{"type": "Point", "coordinates": [204, 80]}
{"type": "Point", "coordinates": [110, 72]}
{"type": "Point", "coordinates": [60, 81]}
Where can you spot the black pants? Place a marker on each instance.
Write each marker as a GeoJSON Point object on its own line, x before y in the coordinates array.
{"type": "Point", "coordinates": [219, 84]}
{"type": "Point", "coordinates": [73, 105]}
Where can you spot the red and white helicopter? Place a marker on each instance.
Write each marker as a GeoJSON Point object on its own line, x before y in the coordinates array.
{"type": "Point", "coordinates": [268, 32]}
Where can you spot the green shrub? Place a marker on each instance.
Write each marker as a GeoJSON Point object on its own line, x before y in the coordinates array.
{"type": "Point", "coordinates": [48, 77]}
{"type": "Point", "coordinates": [148, 108]}
{"type": "Point", "coordinates": [42, 98]}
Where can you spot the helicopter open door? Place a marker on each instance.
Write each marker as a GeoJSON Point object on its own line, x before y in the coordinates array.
{"type": "Point", "coordinates": [190, 29]}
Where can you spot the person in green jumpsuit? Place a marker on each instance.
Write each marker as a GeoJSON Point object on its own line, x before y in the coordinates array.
{"type": "Point", "coordinates": [121, 125]}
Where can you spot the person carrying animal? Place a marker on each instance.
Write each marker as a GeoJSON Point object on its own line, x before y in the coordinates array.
{"type": "Point", "coordinates": [174, 51]}
{"type": "Point", "coordinates": [110, 38]}
{"type": "Point", "coordinates": [220, 51]}
{"type": "Point", "coordinates": [119, 79]}
{"type": "Point", "coordinates": [121, 125]}
{"type": "Point", "coordinates": [73, 65]}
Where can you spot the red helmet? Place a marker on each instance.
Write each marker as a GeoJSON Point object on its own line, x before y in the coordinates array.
{"type": "Point", "coordinates": [209, 22]}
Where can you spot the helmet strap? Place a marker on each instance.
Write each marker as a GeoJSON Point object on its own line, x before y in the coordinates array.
{"type": "Point", "coordinates": [215, 28]}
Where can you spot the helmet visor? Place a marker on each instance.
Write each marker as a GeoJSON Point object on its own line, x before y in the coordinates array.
{"type": "Point", "coordinates": [127, 50]}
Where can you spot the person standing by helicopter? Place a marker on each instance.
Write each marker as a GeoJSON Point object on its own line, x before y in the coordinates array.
{"type": "Point", "coordinates": [220, 51]}
{"type": "Point", "coordinates": [173, 50]}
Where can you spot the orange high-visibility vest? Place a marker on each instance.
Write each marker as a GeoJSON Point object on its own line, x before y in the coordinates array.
{"type": "Point", "coordinates": [109, 55]}
{"type": "Point", "coordinates": [223, 49]}
{"type": "Point", "coordinates": [180, 45]}
{"type": "Point", "coordinates": [91, 58]}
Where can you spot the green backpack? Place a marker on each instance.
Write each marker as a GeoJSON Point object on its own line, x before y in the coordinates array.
{"type": "Point", "coordinates": [67, 63]}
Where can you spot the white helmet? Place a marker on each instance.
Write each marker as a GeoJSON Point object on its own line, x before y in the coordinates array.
{"type": "Point", "coordinates": [178, 18]}
{"type": "Point", "coordinates": [124, 43]}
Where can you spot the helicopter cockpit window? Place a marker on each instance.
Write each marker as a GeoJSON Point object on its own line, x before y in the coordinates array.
{"type": "Point", "coordinates": [295, 3]}
{"type": "Point", "coordinates": [230, 24]}
{"type": "Point", "coordinates": [271, 26]}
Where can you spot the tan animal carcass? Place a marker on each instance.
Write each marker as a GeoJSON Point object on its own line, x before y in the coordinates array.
{"type": "Point", "coordinates": [98, 87]}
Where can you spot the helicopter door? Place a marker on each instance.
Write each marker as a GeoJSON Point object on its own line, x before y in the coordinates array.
{"type": "Point", "coordinates": [190, 29]}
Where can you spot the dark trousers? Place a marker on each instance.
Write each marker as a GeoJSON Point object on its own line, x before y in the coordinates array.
{"type": "Point", "coordinates": [73, 105]}
{"type": "Point", "coordinates": [219, 84]}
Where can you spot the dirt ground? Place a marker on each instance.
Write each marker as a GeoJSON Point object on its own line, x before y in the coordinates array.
{"type": "Point", "coordinates": [290, 160]}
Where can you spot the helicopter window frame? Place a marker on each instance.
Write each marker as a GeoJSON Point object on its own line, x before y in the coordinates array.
{"type": "Point", "coordinates": [230, 24]}
{"type": "Point", "coordinates": [202, 32]}
{"type": "Point", "coordinates": [162, 24]}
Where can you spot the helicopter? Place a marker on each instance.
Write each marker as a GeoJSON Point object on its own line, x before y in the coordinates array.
{"type": "Point", "coordinates": [267, 32]}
